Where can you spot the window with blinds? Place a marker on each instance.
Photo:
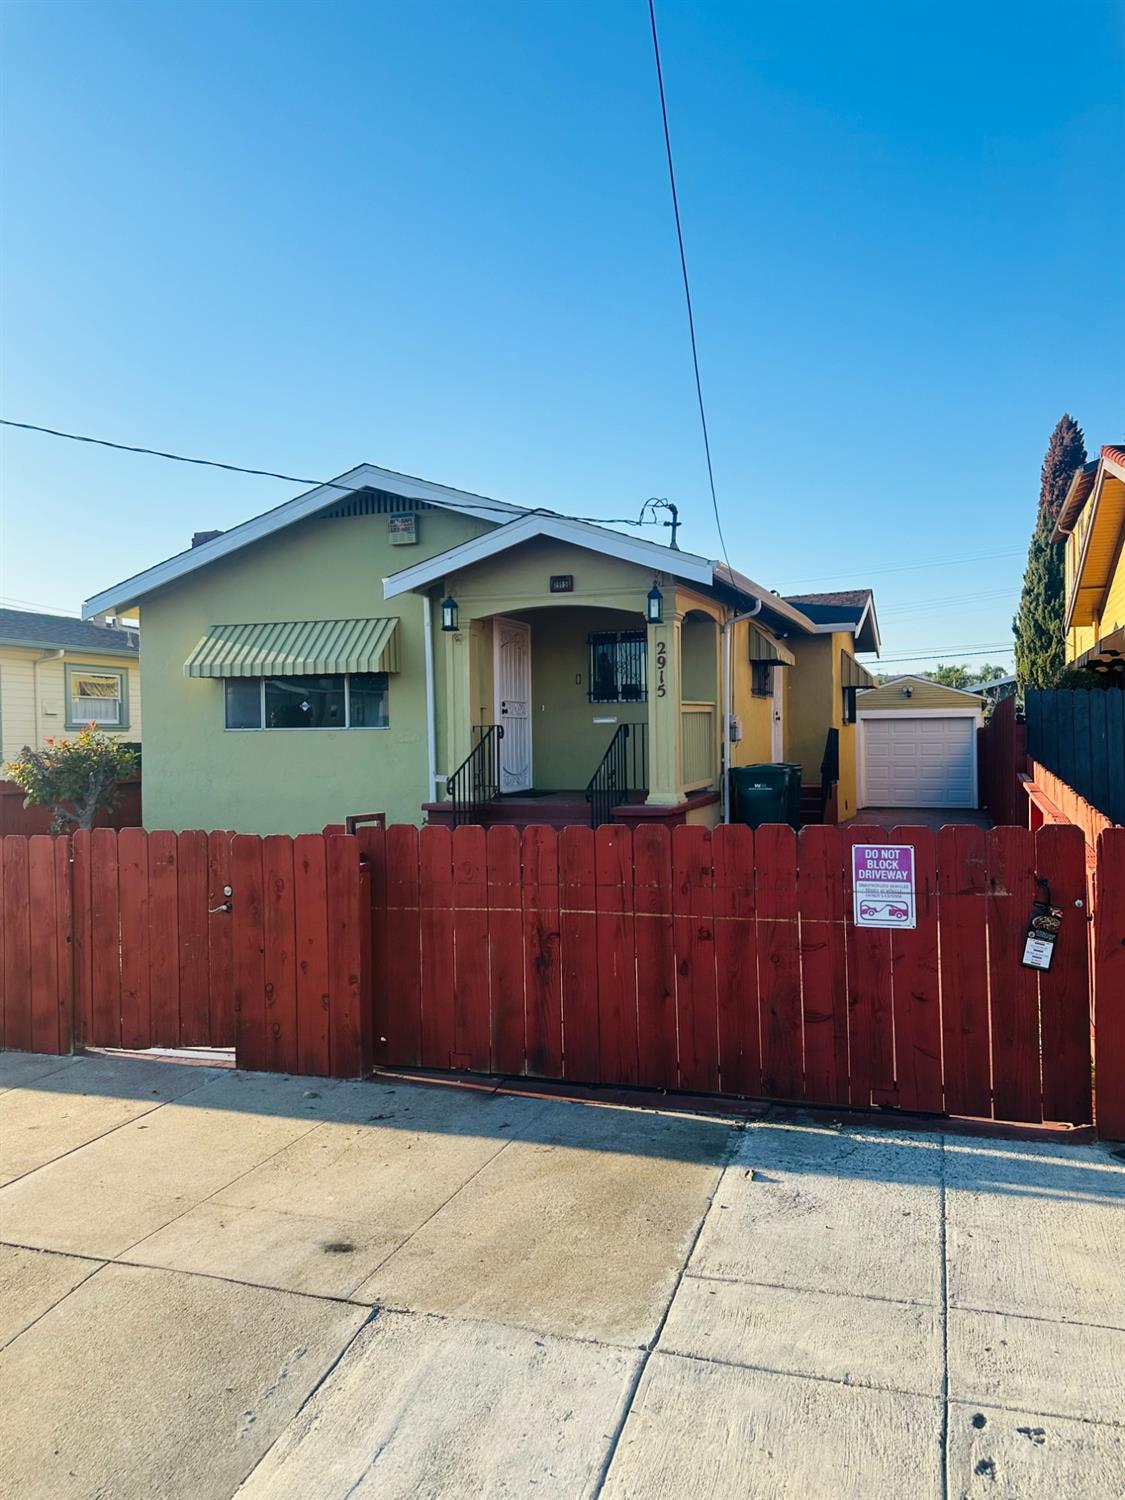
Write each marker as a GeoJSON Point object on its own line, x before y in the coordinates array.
{"type": "Point", "coordinates": [95, 698]}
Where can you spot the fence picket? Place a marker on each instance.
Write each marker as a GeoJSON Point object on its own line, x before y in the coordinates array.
{"type": "Point", "coordinates": [870, 994]}
{"type": "Point", "coordinates": [915, 985]}
{"type": "Point", "coordinates": [132, 874]}
{"type": "Point", "coordinates": [403, 1027]}
{"type": "Point", "coordinates": [83, 936]}
{"type": "Point", "coordinates": [779, 961]}
{"type": "Point", "coordinates": [962, 897]}
{"type": "Point", "coordinates": [248, 959]}
{"type": "Point", "coordinates": [43, 953]}
{"type": "Point", "coordinates": [310, 946]}
{"type": "Point", "coordinates": [736, 960]}
{"type": "Point", "coordinates": [472, 1031]}
{"type": "Point", "coordinates": [105, 947]}
{"type": "Point", "coordinates": [693, 932]}
{"type": "Point", "coordinates": [279, 940]}
{"type": "Point", "coordinates": [656, 959]}
{"type": "Point", "coordinates": [1017, 1093]}
{"type": "Point", "coordinates": [164, 938]}
{"type": "Point", "coordinates": [824, 981]}
{"type": "Point", "coordinates": [578, 936]}
{"type": "Point", "coordinates": [1109, 984]}
{"type": "Point", "coordinates": [1064, 988]}
{"type": "Point", "coordinates": [220, 952]}
{"type": "Point", "coordinates": [17, 943]}
{"type": "Point", "coordinates": [542, 971]}
{"type": "Point", "coordinates": [505, 950]}
{"type": "Point", "coordinates": [64, 943]}
{"type": "Point", "coordinates": [348, 1027]}
{"type": "Point", "coordinates": [435, 915]}
{"type": "Point", "coordinates": [191, 918]}
{"type": "Point", "coordinates": [617, 973]}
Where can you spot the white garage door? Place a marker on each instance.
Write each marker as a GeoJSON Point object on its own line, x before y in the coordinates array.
{"type": "Point", "coordinates": [922, 762]}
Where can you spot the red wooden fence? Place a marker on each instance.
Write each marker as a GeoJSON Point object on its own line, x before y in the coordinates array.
{"type": "Point", "coordinates": [728, 962]}
{"type": "Point", "coordinates": [130, 939]}
{"type": "Point", "coordinates": [15, 818]}
{"type": "Point", "coordinates": [723, 962]}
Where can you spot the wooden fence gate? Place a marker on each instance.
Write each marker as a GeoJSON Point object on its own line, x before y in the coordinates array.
{"type": "Point", "coordinates": [134, 940]}
{"type": "Point", "coordinates": [728, 962]}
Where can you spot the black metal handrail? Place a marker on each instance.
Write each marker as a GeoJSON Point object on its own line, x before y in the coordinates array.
{"type": "Point", "coordinates": [623, 771]}
{"type": "Point", "coordinates": [476, 780]}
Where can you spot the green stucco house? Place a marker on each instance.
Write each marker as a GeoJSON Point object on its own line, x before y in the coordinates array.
{"type": "Point", "coordinates": [382, 644]}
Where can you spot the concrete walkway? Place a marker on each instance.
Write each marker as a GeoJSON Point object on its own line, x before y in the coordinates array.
{"type": "Point", "coordinates": [215, 1283]}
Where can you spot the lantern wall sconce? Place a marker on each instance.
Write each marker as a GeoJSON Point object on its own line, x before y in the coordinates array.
{"type": "Point", "coordinates": [449, 613]}
{"type": "Point", "coordinates": [654, 606]}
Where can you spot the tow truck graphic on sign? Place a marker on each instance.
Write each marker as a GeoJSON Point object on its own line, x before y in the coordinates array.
{"type": "Point", "coordinates": [883, 885]}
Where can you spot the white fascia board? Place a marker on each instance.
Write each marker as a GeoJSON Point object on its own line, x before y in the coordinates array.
{"type": "Point", "coordinates": [927, 682]}
{"type": "Point", "coordinates": [647, 555]}
{"type": "Point", "coordinates": [907, 712]}
{"type": "Point", "coordinates": [365, 476]}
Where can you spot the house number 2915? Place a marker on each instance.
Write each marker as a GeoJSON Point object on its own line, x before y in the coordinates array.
{"type": "Point", "coordinates": [661, 669]}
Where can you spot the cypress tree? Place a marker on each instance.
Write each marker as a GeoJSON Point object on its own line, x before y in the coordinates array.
{"type": "Point", "coordinates": [1038, 626]}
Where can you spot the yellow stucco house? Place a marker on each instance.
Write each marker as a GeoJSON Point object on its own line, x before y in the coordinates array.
{"type": "Point", "coordinates": [386, 644]}
{"type": "Point", "coordinates": [1092, 524]}
{"type": "Point", "coordinates": [57, 674]}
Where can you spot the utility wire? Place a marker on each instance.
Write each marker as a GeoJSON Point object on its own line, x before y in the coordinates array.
{"type": "Point", "coordinates": [687, 283]}
{"type": "Point", "coordinates": [944, 562]}
{"type": "Point", "coordinates": [479, 503]}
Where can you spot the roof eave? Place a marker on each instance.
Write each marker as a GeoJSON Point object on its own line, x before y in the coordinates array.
{"type": "Point", "coordinates": [365, 476]}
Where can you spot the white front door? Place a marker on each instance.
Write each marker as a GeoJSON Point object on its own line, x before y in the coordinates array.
{"type": "Point", "coordinates": [777, 723]}
{"type": "Point", "coordinates": [511, 643]}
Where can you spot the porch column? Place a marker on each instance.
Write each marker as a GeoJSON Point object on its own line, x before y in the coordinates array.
{"type": "Point", "coordinates": [665, 758]}
{"type": "Point", "coordinates": [458, 697]}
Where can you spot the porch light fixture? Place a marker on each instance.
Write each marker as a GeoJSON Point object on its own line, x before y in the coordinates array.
{"type": "Point", "coordinates": [654, 606]}
{"type": "Point", "coordinates": [449, 613]}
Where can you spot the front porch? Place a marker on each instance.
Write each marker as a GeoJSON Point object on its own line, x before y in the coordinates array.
{"type": "Point", "coordinates": [580, 713]}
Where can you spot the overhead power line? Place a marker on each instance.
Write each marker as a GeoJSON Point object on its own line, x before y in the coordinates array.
{"type": "Point", "coordinates": [687, 283]}
{"type": "Point", "coordinates": [946, 654]}
{"type": "Point", "coordinates": [863, 571]}
{"type": "Point", "coordinates": [479, 503]}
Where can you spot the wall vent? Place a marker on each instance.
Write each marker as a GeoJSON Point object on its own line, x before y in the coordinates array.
{"type": "Point", "coordinates": [373, 503]}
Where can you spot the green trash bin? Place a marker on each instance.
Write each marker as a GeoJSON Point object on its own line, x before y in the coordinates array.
{"type": "Point", "coordinates": [794, 792]}
{"type": "Point", "coordinates": [760, 794]}
{"type": "Point", "coordinates": [782, 778]}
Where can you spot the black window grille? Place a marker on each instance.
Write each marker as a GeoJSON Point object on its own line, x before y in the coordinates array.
{"type": "Point", "coordinates": [761, 679]}
{"type": "Point", "coordinates": [618, 666]}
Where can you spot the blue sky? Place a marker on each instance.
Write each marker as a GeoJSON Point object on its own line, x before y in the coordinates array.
{"type": "Point", "coordinates": [438, 237]}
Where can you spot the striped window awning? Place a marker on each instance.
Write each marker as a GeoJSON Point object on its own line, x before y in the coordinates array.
{"type": "Point", "coordinates": [763, 648]}
{"type": "Point", "coordinates": [854, 674]}
{"type": "Point", "coordinates": [296, 648]}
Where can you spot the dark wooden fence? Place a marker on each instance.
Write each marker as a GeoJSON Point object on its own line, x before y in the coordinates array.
{"type": "Point", "coordinates": [724, 962]}
{"type": "Point", "coordinates": [1080, 737]}
{"type": "Point", "coordinates": [15, 818]}
{"type": "Point", "coordinates": [1002, 758]}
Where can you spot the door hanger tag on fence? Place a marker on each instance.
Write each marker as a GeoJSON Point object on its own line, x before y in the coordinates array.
{"type": "Point", "coordinates": [1042, 930]}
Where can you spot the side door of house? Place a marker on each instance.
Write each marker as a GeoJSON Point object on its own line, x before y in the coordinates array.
{"type": "Point", "coordinates": [512, 676]}
{"type": "Point", "coordinates": [777, 715]}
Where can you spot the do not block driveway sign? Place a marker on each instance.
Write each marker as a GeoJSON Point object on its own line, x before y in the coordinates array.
{"type": "Point", "coordinates": [883, 883]}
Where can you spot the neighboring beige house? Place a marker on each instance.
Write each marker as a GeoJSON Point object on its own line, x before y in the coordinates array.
{"type": "Point", "coordinates": [58, 674]}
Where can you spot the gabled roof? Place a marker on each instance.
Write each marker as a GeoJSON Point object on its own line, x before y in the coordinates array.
{"type": "Point", "coordinates": [1098, 526]}
{"type": "Point", "coordinates": [844, 609]}
{"type": "Point", "coordinates": [653, 555]}
{"type": "Point", "coordinates": [927, 682]}
{"type": "Point", "coordinates": [364, 476]}
{"type": "Point", "coordinates": [1112, 458]}
{"type": "Point", "coordinates": [64, 633]}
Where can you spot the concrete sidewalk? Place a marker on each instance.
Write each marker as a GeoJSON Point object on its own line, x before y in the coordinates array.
{"type": "Point", "coordinates": [215, 1283]}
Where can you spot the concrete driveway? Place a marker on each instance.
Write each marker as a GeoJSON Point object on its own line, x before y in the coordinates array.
{"type": "Point", "coordinates": [215, 1283]}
